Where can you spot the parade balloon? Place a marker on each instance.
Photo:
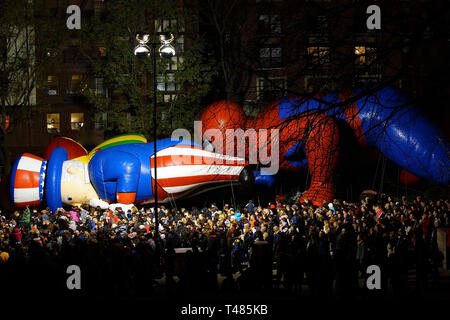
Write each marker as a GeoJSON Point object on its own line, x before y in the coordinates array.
{"type": "Point", "coordinates": [73, 148]}
{"type": "Point", "coordinates": [309, 135]}
{"type": "Point", "coordinates": [120, 172]}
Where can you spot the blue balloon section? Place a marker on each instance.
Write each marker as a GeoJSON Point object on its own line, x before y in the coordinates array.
{"type": "Point", "coordinates": [390, 123]}
{"type": "Point", "coordinates": [53, 178]}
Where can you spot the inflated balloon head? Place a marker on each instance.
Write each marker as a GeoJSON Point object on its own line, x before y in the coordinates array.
{"type": "Point", "coordinates": [31, 176]}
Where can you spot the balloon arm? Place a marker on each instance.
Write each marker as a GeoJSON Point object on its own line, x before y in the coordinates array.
{"type": "Point", "coordinates": [115, 174]}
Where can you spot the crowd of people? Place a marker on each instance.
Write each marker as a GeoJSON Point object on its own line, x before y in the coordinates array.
{"type": "Point", "coordinates": [279, 246]}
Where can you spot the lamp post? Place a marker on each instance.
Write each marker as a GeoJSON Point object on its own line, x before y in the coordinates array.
{"type": "Point", "coordinates": [166, 50]}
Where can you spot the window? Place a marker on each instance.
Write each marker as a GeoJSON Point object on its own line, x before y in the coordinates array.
{"type": "Point", "coordinates": [317, 24]}
{"type": "Point", "coordinates": [53, 123]}
{"type": "Point", "coordinates": [269, 23]}
{"type": "Point", "coordinates": [169, 97]}
{"type": "Point", "coordinates": [364, 55]}
{"type": "Point", "coordinates": [270, 57]}
{"type": "Point", "coordinates": [168, 25]}
{"type": "Point", "coordinates": [319, 55]}
{"type": "Point", "coordinates": [75, 83]}
{"type": "Point", "coordinates": [52, 85]}
{"type": "Point", "coordinates": [179, 44]}
{"type": "Point", "coordinates": [318, 83]}
{"type": "Point", "coordinates": [76, 121]}
{"type": "Point", "coordinates": [100, 120]}
{"type": "Point", "coordinates": [366, 79]}
{"type": "Point", "coordinates": [166, 82]}
{"type": "Point", "coordinates": [174, 63]}
{"type": "Point", "coordinates": [99, 7]}
{"type": "Point", "coordinates": [271, 88]}
{"type": "Point", "coordinates": [102, 51]}
{"type": "Point", "coordinates": [322, 24]}
{"type": "Point", "coordinates": [100, 88]}
{"type": "Point", "coordinates": [4, 122]}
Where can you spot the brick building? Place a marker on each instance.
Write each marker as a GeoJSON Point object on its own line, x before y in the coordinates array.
{"type": "Point", "coordinates": [288, 47]}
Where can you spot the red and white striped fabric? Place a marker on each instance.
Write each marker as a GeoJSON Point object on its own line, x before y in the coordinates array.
{"type": "Point", "coordinates": [186, 170]}
{"type": "Point", "coordinates": [28, 178]}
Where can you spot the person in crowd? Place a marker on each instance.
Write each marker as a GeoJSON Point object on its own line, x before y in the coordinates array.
{"type": "Point", "coordinates": [336, 241]}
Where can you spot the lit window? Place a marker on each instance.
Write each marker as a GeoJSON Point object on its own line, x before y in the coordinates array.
{"type": "Point", "coordinates": [4, 122]}
{"type": "Point", "coordinates": [169, 97]}
{"type": "Point", "coordinates": [319, 55]}
{"type": "Point", "coordinates": [166, 82]}
{"type": "Point", "coordinates": [76, 121]}
{"type": "Point", "coordinates": [52, 85]}
{"type": "Point", "coordinates": [364, 55]}
{"type": "Point", "coordinates": [102, 51]}
{"type": "Point", "coordinates": [53, 123]}
{"type": "Point", "coordinates": [75, 83]}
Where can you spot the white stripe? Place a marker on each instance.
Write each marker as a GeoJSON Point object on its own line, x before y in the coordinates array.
{"type": "Point", "coordinates": [190, 186]}
{"type": "Point", "coordinates": [29, 164]}
{"type": "Point", "coordinates": [177, 151]}
{"type": "Point", "coordinates": [26, 194]}
{"type": "Point", "coordinates": [196, 170]}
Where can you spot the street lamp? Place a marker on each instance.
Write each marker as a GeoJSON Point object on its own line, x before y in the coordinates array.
{"type": "Point", "coordinates": [144, 49]}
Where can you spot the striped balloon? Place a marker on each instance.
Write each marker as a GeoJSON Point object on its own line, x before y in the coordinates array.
{"type": "Point", "coordinates": [27, 180]}
{"type": "Point", "coordinates": [185, 170]}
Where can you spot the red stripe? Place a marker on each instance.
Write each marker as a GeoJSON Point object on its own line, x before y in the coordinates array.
{"type": "Point", "coordinates": [184, 181]}
{"type": "Point", "coordinates": [32, 156]}
{"type": "Point", "coordinates": [28, 203]}
{"type": "Point", "coordinates": [168, 161]}
{"type": "Point", "coordinates": [26, 179]}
